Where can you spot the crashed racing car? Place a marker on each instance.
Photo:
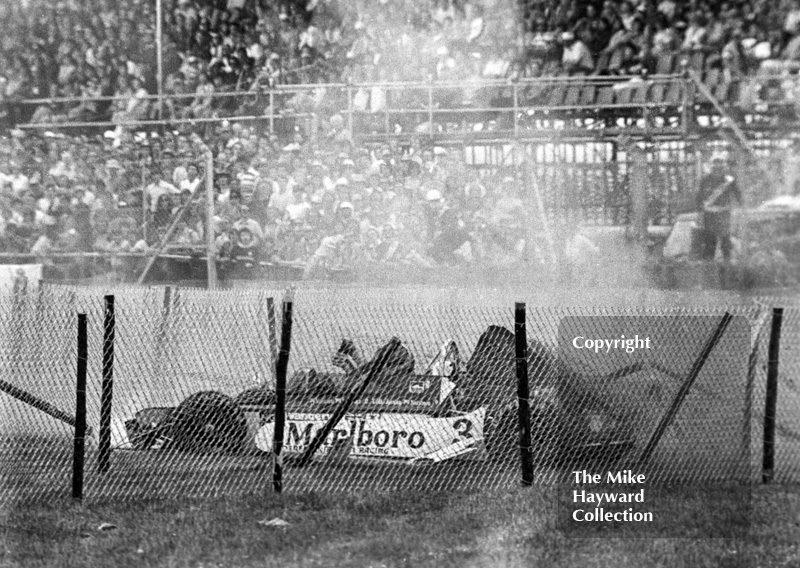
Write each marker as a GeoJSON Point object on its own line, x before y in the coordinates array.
{"type": "Point", "coordinates": [452, 409]}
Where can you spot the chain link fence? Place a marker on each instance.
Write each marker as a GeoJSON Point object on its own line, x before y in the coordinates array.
{"type": "Point", "coordinates": [422, 396]}
{"type": "Point", "coordinates": [37, 343]}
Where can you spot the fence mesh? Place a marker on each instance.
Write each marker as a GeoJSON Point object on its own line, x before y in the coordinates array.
{"type": "Point", "coordinates": [432, 394]}
{"type": "Point", "coordinates": [37, 346]}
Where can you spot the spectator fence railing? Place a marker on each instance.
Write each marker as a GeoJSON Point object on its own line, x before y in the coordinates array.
{"type": "Point", "coordinates": [561, 101]}
{"type": "Point", "coordinates": [192, 409]}
{"type": "Point", "coordinates": [525, 108]}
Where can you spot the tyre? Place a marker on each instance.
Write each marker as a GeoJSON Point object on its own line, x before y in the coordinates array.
{"type": "Point", "coordinates": [209, 422]}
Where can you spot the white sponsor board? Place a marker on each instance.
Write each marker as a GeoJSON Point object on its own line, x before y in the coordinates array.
{"type": "Point", "coordinates": [411, 436]}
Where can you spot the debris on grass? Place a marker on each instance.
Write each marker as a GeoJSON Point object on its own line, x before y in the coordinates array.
{"type": "Point", "coordinates": [104, 527]}
{"type": "Point", "coordinates": [276, 522]}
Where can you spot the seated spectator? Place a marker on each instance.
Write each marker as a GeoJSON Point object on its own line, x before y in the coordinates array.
{"type": "Point", "coordinates": [88, 106]}
{"type": "Point", "coordinates": [791, 52]}
{"type": "Point", "coordinates": [668, 9]}
{"type": "Point", "coordinates": [694, 38]}
{"type": "Point", "coordinates": [184, 200]}
{"type": "Point", "coordinates": [162, 215]}
{"type": "Point", "coordinates": [666, 40]}
{"type": "Point", "coordinates": [594, 30]}
{"type": "Point", "coordinates": [159, 187]}
{"type": "Point", "coordinates": [576, 58]}
{"type": "Point", "coordinates": [733, 59]}
{"type": "Point", "coordinates": [68, 238]}
{"type": "Point", "coordinates": [500, 66]}
{"type": "Point", "coordinates": [791, 24]}
{"type": "Point", "coordinates": [627, 14]}
{"type": "Point", "coordinates": [66, 167]}
{"type": "Point", "coordinates": [223, 187]}
{"type": "Point", "coordinates": [627, 61]}
{"type": "Point", "coordinates": [133, 104]}
{"type": "Point", "coordinates": [758, 47]}
{"type": "Point", "coordinates": [201, 106]}
{"type": "Point", "coordinates": [185, 235]}
{"type": "Point", "coordinates": [45, 242]}
{"type": "Point", "coordinates": [626, 44]}
{"type": "Point", "coordinates": [250, 235]}
{"type": "Point", "coordinates": [192, 181]}
{"type": "Point", "coordinates": [16, 180]}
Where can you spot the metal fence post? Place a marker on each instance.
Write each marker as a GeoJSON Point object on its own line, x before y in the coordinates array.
{"type": "Point", "coordinates": [771, 399]}
{"type": "Point", "coordinates": [386, 118]}
{"type": "Point", "coordinates": [516, 110]}
{"type": "Point", "coordinates": [430, 104]}
{"type": "Point", "coordinates": [350, 108]}
{"type": "Point", "coordinates": [523, 394]}
{"type": "Point", "coordinates": [211, 253]}
{"type": "Point", "coordinates": [688, 102]}
{"type": "Point", "coordinates": [145, 209]}
{"type": "Point", "coordinates": [280, 397]}
{"type": "Point", "coordinates": [271, 111]}
{"type": "Point", "coordinates": [79, 442]}
{"type": "Point", "coordinates": [167, 303]}
{"type": "Point", "coordinates": [104, 442]}
{"type": "Point", "coordinates": [314, 129]}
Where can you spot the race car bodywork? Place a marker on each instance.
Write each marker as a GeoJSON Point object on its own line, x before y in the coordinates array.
{"type": "Point", "coordinates": [451, 409]}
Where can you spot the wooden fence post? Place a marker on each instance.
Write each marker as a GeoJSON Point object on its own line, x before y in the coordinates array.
{"type": "Point", "coordinates": [771, 402]}
{"type": "Point", "coordinates": [523, 394]}
{"type": "Point", "coordinates": [79, 441]}
{"type": "Point", "coordinates": [280, 397]}
{"type": "Point", "coordinates": [104, 442]}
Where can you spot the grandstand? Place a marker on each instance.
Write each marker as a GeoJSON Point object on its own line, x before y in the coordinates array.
{"type": "Point", "coordinates": [349, 133]}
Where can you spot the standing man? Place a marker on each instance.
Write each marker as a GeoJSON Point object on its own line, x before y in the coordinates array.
{"type": "Point", "coordinates": [715, 201]}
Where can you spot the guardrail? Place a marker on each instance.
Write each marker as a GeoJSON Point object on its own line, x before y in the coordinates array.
{"type": "Point", "coordinates": [519, 107]}
{"type": "Point", "coordinates": [410, 104]}
{"type": "Point", "coordinates": [526, 109]}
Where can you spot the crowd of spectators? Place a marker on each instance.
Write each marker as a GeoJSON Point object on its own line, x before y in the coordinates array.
{"type": "Point", "coordinates": [321, 205]}
{"type": "Point", "coordinates": [87, 48]}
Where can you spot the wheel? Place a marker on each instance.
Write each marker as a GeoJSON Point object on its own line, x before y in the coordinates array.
{"type": "Point", "coordinates": [209, 422]}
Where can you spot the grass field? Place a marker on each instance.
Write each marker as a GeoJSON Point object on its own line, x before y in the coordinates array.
{"type": "Point", "coordinates": [512, 527]}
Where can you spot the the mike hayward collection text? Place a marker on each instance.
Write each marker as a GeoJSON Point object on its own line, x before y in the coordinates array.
{"type": "Point", "coordinates": [597, 499]}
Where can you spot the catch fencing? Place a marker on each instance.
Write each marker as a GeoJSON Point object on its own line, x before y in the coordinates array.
{"type": "Point", "coordinates": [193, 400]}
